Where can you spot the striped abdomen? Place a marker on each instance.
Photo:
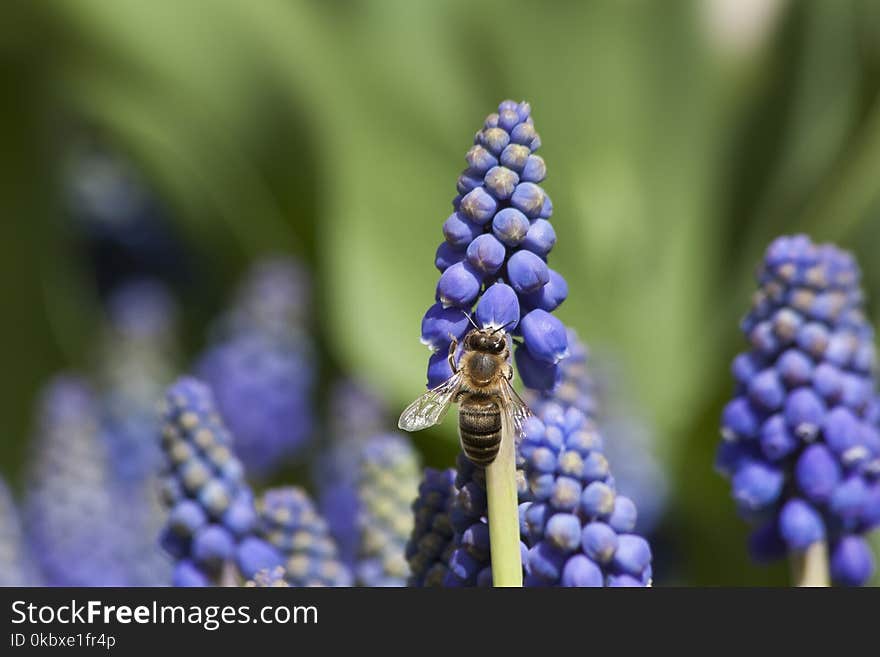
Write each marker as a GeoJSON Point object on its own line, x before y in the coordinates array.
{"type": "Point", "coordinates": [479, 427]}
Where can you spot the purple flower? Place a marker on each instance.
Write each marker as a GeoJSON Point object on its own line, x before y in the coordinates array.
{"type": "Point", "coordinates": [212, 528]}
{"type": "Point", "coordinates": [801, 447]}
{"type": "Point", "coordinates": [499, 235]}
{"type": "Point", "coordinates": [16, 564]}
{"type": "Point", "coordinates": [260, 367]}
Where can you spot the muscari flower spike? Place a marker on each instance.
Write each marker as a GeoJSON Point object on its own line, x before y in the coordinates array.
{"type": "Point", "coordinates": [431, 543]}
{"type": "Point", "coordinates": [260, 366]}
{"type": "Point", "coordinates": [800, 439]}
{"type": "Point", "coordinates": [212, 525]}
{"type": "Point", "coordinates": [72, 506]}
{"type": "Point", "coordinates": [495, 253]}
{"type": "Point", "coordinates": [628, 438]}
{"type": "Point", "coordinates": [288, 520]}
{"type": "Point", "coordinates": [575, 529]}
{"type": "Point", "coordinates": [367, 482]}
{"type": "Point", "coordinates": [16, 567]}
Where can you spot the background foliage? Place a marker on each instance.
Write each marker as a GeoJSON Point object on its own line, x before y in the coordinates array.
{"type": "Point", "coordinates": [680, 138]}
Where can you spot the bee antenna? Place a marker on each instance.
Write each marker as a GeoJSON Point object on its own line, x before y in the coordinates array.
{"type": "Point", "coordinates": [470, 319]}
{"type": "Point", "coordinates": [501, 328]}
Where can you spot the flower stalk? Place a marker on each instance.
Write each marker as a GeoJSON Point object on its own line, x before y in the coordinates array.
{"type": "Point", "coordinates": [810, 567]}
{"type": "Point", "coordinates": [504, 513]}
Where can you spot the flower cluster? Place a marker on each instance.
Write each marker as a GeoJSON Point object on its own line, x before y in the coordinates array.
{"type": "Point", "coordinates": [260, 366]}
{"type": "Point", "coordinates": [212, 522]}
{"type": "Point", "coordinates": [16, 568]}
{"type": "Point", "coordinates": [801, 444]}
{"type": "Point", "coordinates": [628, 437]}
{"type": "Point", "coordinates": [287, 519]}
{"type": "Point", "coordinates": [367, 480]}
{"type": "Point", "coordinates": [431, 543]}
{"type": "Point", "coordinates": [495, 252]}
{"type": "Point", "coordinates": [72, 507]}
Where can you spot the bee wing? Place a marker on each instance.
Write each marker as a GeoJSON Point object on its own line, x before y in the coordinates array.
{"type": "Point", "coordinates": [430, 408]}
{"type": "Point", "coordinates": [515, 408]}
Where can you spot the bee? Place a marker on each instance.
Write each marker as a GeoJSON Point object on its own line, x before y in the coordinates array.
{"type": "Point", "coordinates": [480, 384]}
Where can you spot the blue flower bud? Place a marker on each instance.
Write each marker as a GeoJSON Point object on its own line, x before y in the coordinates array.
{"type": "Point", "coordinates": [526, 272]}
{"type": "Point", "coordinates": [766, 390]}
{"type": "Point", "coordinates": [597, 500]}
{"type": "Point", "coordinates": [478, 206]}
{"type": "Point", "coordinates": [745, 366]}
{"type": "Point", "coordinates": [459, 231]}
{"type": "Point", "coordinates": [599, 541]}
{"type": "Point", "coordinates": [480, 160]}
{"type": "Point", "coordinates": [623, 581]}
{"type": "Point", "coordinates": [546, 562]}
{"type": "Point", "coordinates": [510, 226]}
{"type": "Point", "coordinates": [777, 441]}
{"type": "Point", "coordinates": [515, 156]}
{"type": "Point", "coordinates": [534, 169]}
{"type": "Point", "coordinates": [467, 182]}
{"type": "Point", "coordinates": [739, 420]}
{"type": "Point", "coordinates": [486, 253]}
{"type": "Point", "coordinates": [804, 412]}
{"type": "Point", "coordinates": [501, 181]}
{"type": "Point", "coordinates": [459, 285]}
{"type": "Point", "coordinates": [438, 369]}
{"type": "Point", "coordinates": [544, 336]}
{"type": "Point", "coordinates": [528, 198]}
{"type": "Point", "coordinates": [563, 531]}
{"type": "Point", "coordinates": [852, 563]}
{"type": "Point", "coordinates": [551, 295]}
{"type": "Point", "coordinates": [212, 546]}
{"type": "Point", "coordinates": [525, 134]}
{"type": "Point", "coordinates": [756, 485]}
{"type": "Point", "coordinates": [800, 525]}
{"type": "Point", "coordinates": [441, 324]}
{"type": "Point", "coordinates": [498, 307]}
{"type": "Point", "coordinates": [624, 515]}
{"type": "Point", "coordinates": [540, 238]}
{"type": "Point", "coordinates": [848, 500]}
{"type": "Point", "coordinates": [254, 554]}
{"type": "Point", "coordinates": [817, 473]}
{"type": "Point", "coordinates": [187, 574]}
{"type": "Point", "coordinates": [632, 556]}
{"type": "Point", "coordinates": [536, 374]}
{"type": "Point", "coordinates": [795, 368]}
{"type": "Point", "coordinates": [581, 572]}
{"type": "Point", "coordinates": [494, 139]}
{"type": "Point", "coordinates": [828, 382]}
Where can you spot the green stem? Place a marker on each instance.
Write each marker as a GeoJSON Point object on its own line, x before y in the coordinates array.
{"type": "Point", "coordinates": [810, 567]}
{"type": "Point", "coordinates": [504, 513]}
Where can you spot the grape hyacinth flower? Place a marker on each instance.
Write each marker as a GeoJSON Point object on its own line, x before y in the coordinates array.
{"type": "Point", "coordinates": [16, 567]}
{"type": "Point", "coordinates": [367, 480]}
{"type": "Point", "coordinates": [431, 543]}
{"type": "Point", "coordinates": [628, 437]}
{"type": "Point", "coordinates": [211, 530]}
{"type": "Point", "coordinates": [287, 520]}
{"type": "Point", "coordinates": [72, 506]}
{"type": "Point", "coordinates": [136, 363]}
{"type": "Point", "coordinates": [495, 253]}
{"type": "Point", "coordinates": [800, 438]}
{"type": "Point", "coordinates": [575, 529]}
{"type": "Point", "coordinates": [260, 366]}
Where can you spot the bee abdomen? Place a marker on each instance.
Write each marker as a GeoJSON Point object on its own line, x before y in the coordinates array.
{"type": "Point", "coordinates": [479, 427]}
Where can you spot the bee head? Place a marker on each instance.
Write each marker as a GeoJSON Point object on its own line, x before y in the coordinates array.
{"type": "Point", "coordinates": [493, 342]}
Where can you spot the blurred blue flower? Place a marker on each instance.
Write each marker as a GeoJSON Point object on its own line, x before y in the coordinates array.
{"type": "Point", "coordinates": [494, 256]}
{"type": "Point", "coordinates": [367, 482]}
{"type": "Point", "coordinates": [74, 515]}
{"type": "Point", "coordinates": [287, 519]}
{"type": "Point", "coordinates": [211, 530]}
{"type": "Point", "coordinates": [800, 438]}
{"type": "Point", "coordinates": [16, 565]}
{"type": "Point", "coordinates": [260, 366]}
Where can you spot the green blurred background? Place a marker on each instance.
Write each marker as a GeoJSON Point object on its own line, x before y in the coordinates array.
{"type": "Point", "coordinates": [680, 138]}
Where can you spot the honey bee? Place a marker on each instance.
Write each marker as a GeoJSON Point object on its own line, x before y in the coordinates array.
{"type": "Point", "coordinates": [480, 384]}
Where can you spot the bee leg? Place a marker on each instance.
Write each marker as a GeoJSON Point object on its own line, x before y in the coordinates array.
{"type": "Point", "coordinates": [452, 346]}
